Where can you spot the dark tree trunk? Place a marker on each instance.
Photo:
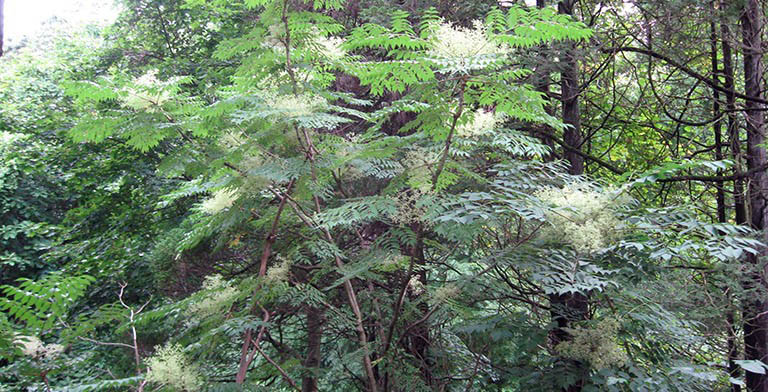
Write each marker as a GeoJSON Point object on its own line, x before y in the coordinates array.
{"type": "Point", "coordinates": [569, 88]}
{"type": "Point", "coordinates": [717, 127]}
{"type": "Point", "coordinates": [755, 309]}
{"type": "Point", "coordinates": [570, 308]}
{"type": "Point", "coordinates": [731, 347]}
{"type": "Point", "coordinates": [418, 339]}
{"type": "Point", "coordinates": [314, 346]}
{"type": "Point", "coordinates": [739, 206]}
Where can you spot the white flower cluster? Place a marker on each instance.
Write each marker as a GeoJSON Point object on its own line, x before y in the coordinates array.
{"type": "Point", "coordinates": [415, 285]}
{"type": "Point", "coordinates": [169, 367]}
{"type": "Point", "coordinates": [417, 163]}
{"type": "Point", "coordinates": [329, 47]}
{"type": "Point", "coordinates": [482, 122]}
{"type": "Point", "coordinates": [280, 272]}
{"type": "Point", "coordinates": [407, 210]}
{"type": "Point", "coordinates": [33, 347]}
{"type": "Point", "coordinates": [222, 199]}
{"type": "Point", "coordinates": [596, 345]}
{"type": "Point", "coordinates": [220, 295]}
{"type": "Point", "coordinates": [445, 293]}
{"type": "Point", "coordinates": [451, 41]}
{"type": "Point", "coordinates": [148, 92]}
{"type": "Point", "coordinates": [583, 217]}
{"type": "Point", "coordinates": [298, 105]}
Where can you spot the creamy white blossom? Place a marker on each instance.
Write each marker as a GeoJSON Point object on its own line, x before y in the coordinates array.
{"type": "Point", "coordinates": [222, 199]}
{"type": "Point", "coordinates": [148, 92]}
{"type": "Point", "coordinates": [583, 217]}
{"type": "Point", "coordinates": [169, 366]}
{"type": "Point", "coordinates": [596, 345]}
{"type": "Point", "coordinates": [445, 293]}
{"type": "Point", "coordinates": [408, 208]}
{"type": "Point", "coordinates": [218, 297]}
{"type": "Point", "coordinates": [451, 41]}
{"type": "Point", "coordinates": [417, 164]}
{"type": "Point", "coordinates": [415, 285]}
{"type": "Point", "coordinates": [298, 105]}
{"type": "Point", "coordinates": [280, 272]}
{"type": "Point", "coordinates": [481, 123]}
{"type": "Point", "coordinates": [33, 347]}
{"type": "Point", "coordinates": [330, 47]}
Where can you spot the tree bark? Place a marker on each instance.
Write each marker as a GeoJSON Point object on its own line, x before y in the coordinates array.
{"type": "Point", "coordinates": [717, 127]}
{"type": "Point", "coordinates": [314, 345]}
{"type": "Point", "coordinates": [569, 87]}
{"type": "Point", "coordinates": [755, 309]}
{"type": "Point", "coordinates": [739, 206]}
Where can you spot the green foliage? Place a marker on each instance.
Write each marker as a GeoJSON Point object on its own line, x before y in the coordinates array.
{"type": "Point", "coordinates": [41, 304]}
{"type": "Point", "coordinates": [388, 171]}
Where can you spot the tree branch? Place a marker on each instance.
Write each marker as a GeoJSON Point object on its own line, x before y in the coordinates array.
{"type": "Point", "coordinates": [681, 67]}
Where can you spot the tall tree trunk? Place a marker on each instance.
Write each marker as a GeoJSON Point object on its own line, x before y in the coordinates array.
{"type": "Point", "coordinates": [569, 88]}
{"type": "Point", "coordinates": [569, 308]}
{"type": "Point", "coordinates": [717, 127]}
{"type": "Point", "coordinates": [740, 209]}
{"type": "Point", "coordinates": [731, 347]}
{"type": "Point", "coordinates": [755, 309]}
{"type": "Point", "coordinates": [739, 204]}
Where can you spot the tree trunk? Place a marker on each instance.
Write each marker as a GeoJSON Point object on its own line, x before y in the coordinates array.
{"type": "Point", "coordinates": [755, 309]}
{"type": "Point", "coordinates": [739, 206]}
{"type": "Point", "coordinates": [570, 308]}
{"type": "Point", "coordinates": [717, 127]}
{"type": "Point", "coordinates": [569, 88]}
{"type": "Point", "coordinates": [418, 342]}
{"type": "Point", "coordinates": [314, 345]}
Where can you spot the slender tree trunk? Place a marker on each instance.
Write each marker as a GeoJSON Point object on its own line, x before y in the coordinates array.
{"type": "Point", "coordinates": [755, 309]}
{"type": "Point", "coordinates": [740, 210]}
{"type": "Point", "coordinates": [314, 345]}
{"type": "Point", "coordinates": [740, 207]}
{"type": "Point", "coordinates": [245, 352]}
{"type": "Point", "coordinates": [418, 338]}
{"type": "Point", "coordinates": [717, 127]}
{"type": "Point", "coordinates": [731, 345]}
